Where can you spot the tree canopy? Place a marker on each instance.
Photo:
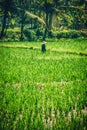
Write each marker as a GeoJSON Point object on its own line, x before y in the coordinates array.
{"type": "Point", "coordinates": [42, 14]}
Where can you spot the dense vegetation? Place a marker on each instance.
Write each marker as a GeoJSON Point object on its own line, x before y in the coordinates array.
{"type": "Point", "coordinates": [43, 91]}
{"type": "Point", "coordinates": [31, 19]}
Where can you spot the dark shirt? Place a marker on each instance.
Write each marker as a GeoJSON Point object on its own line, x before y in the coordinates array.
{"type": "Point", "coordinates": [43, 48]}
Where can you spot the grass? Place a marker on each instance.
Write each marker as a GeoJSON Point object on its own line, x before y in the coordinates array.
{"type": "Point", "coordinates": [43, 91]}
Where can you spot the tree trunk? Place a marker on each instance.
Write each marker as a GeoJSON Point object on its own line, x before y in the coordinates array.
{"type": "Point", "coordinates": [50, 21]}
{"type": "Point", "coordinates": [44, 36]}
{"type": "Point", "coordinates": [46, 28]}
{"type": "Point", "coordinates": [86, 12]}
{"type": "Point", "coordinates": [22, 27]}
{"type": "Point", "coordinates": [3, 25]}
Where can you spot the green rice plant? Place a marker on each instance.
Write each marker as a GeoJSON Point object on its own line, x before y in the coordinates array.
{"type": "Point", "coordinates": [43, 91]}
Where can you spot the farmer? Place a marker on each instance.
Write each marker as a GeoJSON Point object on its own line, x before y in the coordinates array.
{"type": "Point", "coordinates": [43, 46]}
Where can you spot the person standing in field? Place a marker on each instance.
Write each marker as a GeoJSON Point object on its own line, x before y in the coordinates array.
{"type": "Point", "coordinates": [43, 46]}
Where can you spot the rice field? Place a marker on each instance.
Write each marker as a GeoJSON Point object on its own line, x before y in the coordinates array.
{"type": "Point", "coordinates": [43, 91]}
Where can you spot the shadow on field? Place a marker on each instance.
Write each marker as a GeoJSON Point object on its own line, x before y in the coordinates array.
{"type": "Point", "coordinates": [37, 48]}
{"type": "Point", "coordinates": [70, 52]}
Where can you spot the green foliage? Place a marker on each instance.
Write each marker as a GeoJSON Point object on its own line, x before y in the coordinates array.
{"type": "Point", "coordinates": [34, 35]}
{"type": "Point", "coordinates": [43, 91]}
{"type": "Point", "coordinates": [30, 35]}
{"type": "Point", "coordinates": [52, 34]}
{"type": "Point", "coordinates": [39, 32]}
{"type": "Point", "coordinates": [48, 13]}
{"type": "Point", "coordinates": [69, 34]}
{"type": "Point", "coordinates": [12, 36]}
{"type": "Point", "coordinates": [65, 34]}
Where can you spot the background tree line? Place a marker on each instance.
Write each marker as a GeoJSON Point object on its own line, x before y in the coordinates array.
{"type": "Point", "coordinates": [32, 19]}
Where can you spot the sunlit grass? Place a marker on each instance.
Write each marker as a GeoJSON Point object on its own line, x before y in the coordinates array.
{"type": "Point", "coordinates": [43, 90]}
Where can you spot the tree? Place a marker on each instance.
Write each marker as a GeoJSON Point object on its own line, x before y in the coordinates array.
{"type": "Point", "coordinates": [76, 13]}
{"type": "Point", "coordinates": [7, 8]}
{"type": "Point", "coordinates": [26, 10]}
{"type": "Point", "coordinates": [22, 6]}
{"type": "Point", "coordinates": [47, 6]}
{"type": "Point", "coordinates": [71, 14]}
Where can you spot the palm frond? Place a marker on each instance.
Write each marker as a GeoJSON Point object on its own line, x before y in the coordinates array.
{"type": "Point", "coordinates": [63, 15]}
{"type": "Point", "coordinates": [35, 17]}
{"type": "Point", "coordinates": [74, 7]}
